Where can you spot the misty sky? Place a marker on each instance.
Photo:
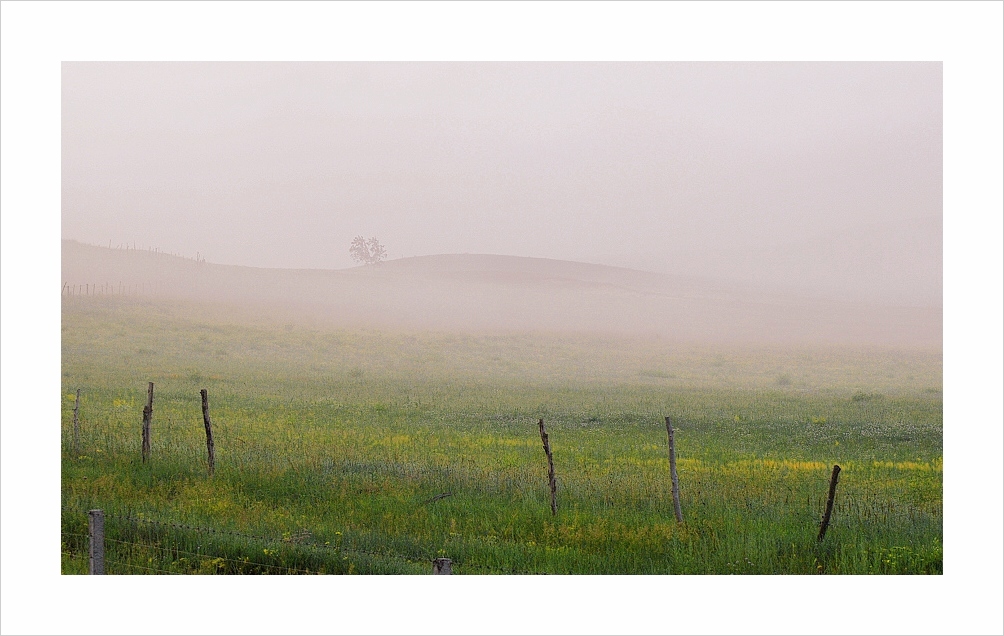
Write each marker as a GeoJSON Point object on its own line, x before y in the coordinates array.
{"type": "Point", "coordinates": [825, 174]}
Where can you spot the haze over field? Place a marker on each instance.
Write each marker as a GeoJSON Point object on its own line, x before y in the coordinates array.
{"type": "Point", "coordinates": [484, 292]}
{"type": "Point", "coordinates": [802, 179]}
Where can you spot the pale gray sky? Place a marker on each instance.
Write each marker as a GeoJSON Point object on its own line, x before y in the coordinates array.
{"type": "Point", "coordinates": [825, 175]}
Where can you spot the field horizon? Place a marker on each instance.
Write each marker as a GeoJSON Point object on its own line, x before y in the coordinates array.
{"type": "Point", "coordinates": [481, 292]}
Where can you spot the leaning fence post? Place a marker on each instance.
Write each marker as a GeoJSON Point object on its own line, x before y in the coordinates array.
{"type": "Point", "coordinates": [209, 432]}
{"type": "Point", "coordinates": [147, 415]}
{"type": "Point", "coordinates": [824, 524]}
{"type": "Point", "coordinates": [442, 566]}
{"type": "Point", "coordinates": [96, 533]}
{"type": "Point", "coordinates": [672, 473]}
{"type": "Point", "coordinates": [550, 467]}
{"type": "Point", "coordinates": [76, 425]}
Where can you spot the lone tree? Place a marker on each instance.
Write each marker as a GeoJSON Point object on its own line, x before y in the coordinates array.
{"type": "Point", "coordinates": [367, 252]}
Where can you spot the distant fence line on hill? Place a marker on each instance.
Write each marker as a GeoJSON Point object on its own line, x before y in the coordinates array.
{"type": "Point", "coordinates": [108, 289]}
{"type": "Point", "coordinates": [198, 258]}
{"type": "Point", "coordinates": [121, 288]}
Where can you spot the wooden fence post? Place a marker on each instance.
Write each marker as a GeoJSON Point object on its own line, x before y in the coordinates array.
{"type": "Point", "coordinates": [672, 473]}
{"type": "Point", "coordinates": [76, 425]}
{"type": "Point", "coordinates": [825, 523]}
{"type": "Point", "coordinates": [96, 533]}
{"type": "Point", "coordinates": [550, 467]}
{"type": "Point", "coordinates": [442, 566]}
{"type": "Point", "coordinates": [147, 416]}
{"type": "Point", "coordinates": [209, 431]}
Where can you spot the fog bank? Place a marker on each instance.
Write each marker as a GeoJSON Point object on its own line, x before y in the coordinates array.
{"type": "Point", "coordinates": [504, 293]}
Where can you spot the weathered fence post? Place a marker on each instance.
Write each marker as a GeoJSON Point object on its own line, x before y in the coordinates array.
{"type": "Point", "coordinates": [96, 533]}
{"type": "Point", "coordinates": [442, 566]}
{"type": "Point", "coordinates": [825, 523]}
{"type": "Point", "coordinates": [209, 432]}
{"type": "Point", "coordinates": [147, 416]}
{"type": "Point", "coordinates": [76, 425]}
{"type": "Point", "coordinates": [550, 467]}
{"type": "Point", "coordinates": [672, 473]}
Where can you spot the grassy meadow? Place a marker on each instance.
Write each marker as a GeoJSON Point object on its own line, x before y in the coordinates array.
{"type": "Point", "coordinates": [334, 444]}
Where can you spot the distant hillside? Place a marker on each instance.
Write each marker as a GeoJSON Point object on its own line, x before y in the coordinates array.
{"type": "Point", "coordinates": [892, 261]}
{"type": "Point", "coordinates": [472, 291]}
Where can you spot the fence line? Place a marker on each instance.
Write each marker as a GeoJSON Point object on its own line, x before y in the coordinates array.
{"type": "Point", "coordinates": [290, 541]}
{"type": "Point", "coordinates": [296, 540]}
{"type": "Point", "coordinates": [141, 567]}
{"type": "Point", "coordinates": [440, 565]}
{"type": "Point", "coordinates": [98, 542]}
{"type": "Point", "coordinates": [109, 289]}
{"type": "Point", "coordinates": [253, 537]}
{"type": "Point", "coordinates": [202, 555]}
{"type": "Point", "coordinates": [851, 509]}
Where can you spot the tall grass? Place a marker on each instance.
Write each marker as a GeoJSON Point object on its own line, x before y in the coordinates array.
{"type": "Point", "coordinates": [345, 435]}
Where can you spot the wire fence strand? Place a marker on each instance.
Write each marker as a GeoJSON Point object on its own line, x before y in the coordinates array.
{"type": "Point", "coordinates": [208, 559]}
{"type": "Point", "coordinates": [204, 555]}
{"type": "Point", "coordinates": [294, 540]}
{"type": "Point", "coordinates": [139, 567]}
{"type": "Point", "coordinates": [342, 548]}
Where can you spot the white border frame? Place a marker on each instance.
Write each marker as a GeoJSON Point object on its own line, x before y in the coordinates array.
{"type": "Point", "coordinates": [967, 37]}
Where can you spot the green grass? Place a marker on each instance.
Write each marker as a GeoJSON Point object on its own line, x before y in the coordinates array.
{"type": "Point", "coordinates": [330, 442]}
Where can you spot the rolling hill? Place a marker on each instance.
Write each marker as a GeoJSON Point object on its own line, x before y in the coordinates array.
{"type": "Point", "coordinates": [491, 292]}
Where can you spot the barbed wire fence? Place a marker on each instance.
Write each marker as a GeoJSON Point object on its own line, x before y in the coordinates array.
{"type": "Point", "coordinates": [137, 544]}
{"type": "Point", "coordinates": [148, 546]}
